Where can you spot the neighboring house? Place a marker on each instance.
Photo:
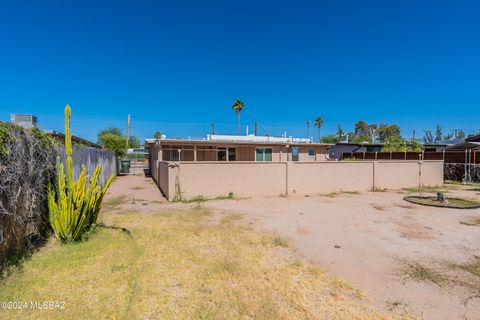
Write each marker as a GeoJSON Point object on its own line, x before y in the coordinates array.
{"type": "Point", "coordinates": [336, 151]}
{"type": "Point", "coordinates": [24, 120]}
{"type": "Point", "coordinates": [434, 147]}
{"type": "Point", "coordinates": [470, 143]}
{"type": "Point", "coordinates": [60, 136]}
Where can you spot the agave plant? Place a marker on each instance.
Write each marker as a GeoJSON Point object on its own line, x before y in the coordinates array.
{"type": "Point", "coordinates": [74, 205]}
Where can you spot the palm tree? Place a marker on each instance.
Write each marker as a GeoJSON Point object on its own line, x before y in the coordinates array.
{"type": "Point", "coordinates": [238, 107]}
{"type": "Point", "coordinates": [318, 123]}
{"type": "Point", "coordinates": [340, 133]}
{"type": "Point", "coordinates": [157, 135]}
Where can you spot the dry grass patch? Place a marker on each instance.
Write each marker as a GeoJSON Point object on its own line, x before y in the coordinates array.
{"type": "Point", "coordinates": [178, 265]}
{"type": "Point", "coordinates": [471, 221]}
{"type": "Point", "coordinates": [113, 203]}
{"type": "Point", "coordinates": [337, 193]}
{"type": "Point", "coordinates": [421, 272]}
{"type": "Point", "coordinates": [379, 207]}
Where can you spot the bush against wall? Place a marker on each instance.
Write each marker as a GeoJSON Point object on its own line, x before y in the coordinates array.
{"type": "Point", "coordinates": [27, 161]}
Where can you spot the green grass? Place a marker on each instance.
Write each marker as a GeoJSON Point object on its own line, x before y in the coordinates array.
{"type": "Point", "coordinates": [178, 265]}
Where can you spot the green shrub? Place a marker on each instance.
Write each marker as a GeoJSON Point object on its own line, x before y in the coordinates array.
{"type": "Point", "coordinates": [74, 206]}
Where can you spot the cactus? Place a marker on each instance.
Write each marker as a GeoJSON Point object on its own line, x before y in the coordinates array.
{"type": "Point", "coordinates": [74, 206]}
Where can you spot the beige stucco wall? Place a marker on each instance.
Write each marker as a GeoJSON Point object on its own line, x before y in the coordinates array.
{"type": "Point", "coordinates": [166, 175]}
{"type": "Point", "coordinates": [324, 177]}
{"type": "Point", "coordinates": [397, 174]}
{"type": "Point", "coordinates": [243, 179]}
{"type": "Point", "coordinates": [212, 179]}
{"type": "Point", "coordinates": [431, 173]}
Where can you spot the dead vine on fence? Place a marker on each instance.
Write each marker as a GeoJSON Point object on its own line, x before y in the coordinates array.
{"type": "Point", "coordinates": [27, 160]}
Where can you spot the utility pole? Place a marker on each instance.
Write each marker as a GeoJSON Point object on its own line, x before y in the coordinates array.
{"type": "Point", "coordinates": [127, 133]}
{"type": "Point", "coordinates": [413, 138]}
{"type": "Point", "coordinates": [308, 129]}
{"type": "Point", "coordinates": [213, 127]}
{"type": "Point", "coordinates": [255, 127]}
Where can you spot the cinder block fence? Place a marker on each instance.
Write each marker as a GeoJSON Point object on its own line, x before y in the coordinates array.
{"type": "Point", "coordinates": [183, 180]}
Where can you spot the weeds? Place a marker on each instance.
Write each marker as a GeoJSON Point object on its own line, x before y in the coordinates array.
{"type": "Point", "coordinates": [420, 272]}
{"type": "Point", "coordinates": [334, 194]}
{"type": "Point", "coordinates": [424, 189]}
{"type": "Point", "coordinates": [201, 199]}
{"type": "Point", "coordinates": [279, 242]}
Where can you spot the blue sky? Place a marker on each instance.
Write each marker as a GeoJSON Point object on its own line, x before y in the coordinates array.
{"type": "Point", "coordinates": [177, 66]}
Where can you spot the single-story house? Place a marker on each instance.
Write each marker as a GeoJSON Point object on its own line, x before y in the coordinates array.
{"type": "Point", "coordinates": [231, 148]}
{"type": "Point", "coordinates": [336, 151]}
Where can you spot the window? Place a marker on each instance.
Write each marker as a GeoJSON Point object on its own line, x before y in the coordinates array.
{"type": "Point", "coordinates": [295, 153]}
{"type": "Point", "coordinates": [232, 154]}
{"type": "Point", "coordinates": [311, 154]}
{"type": "Point", "coordinates": [174, 155]}
{"type": "Point", "coordinates": [222, 154]}
{"type": "Point", "coordinates": [263, 154]}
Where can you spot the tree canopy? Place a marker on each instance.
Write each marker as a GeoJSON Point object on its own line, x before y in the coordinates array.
{"type": "Point", "coordinates": [113, 139]}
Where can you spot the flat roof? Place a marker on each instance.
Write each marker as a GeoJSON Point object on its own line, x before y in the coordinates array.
{"type": "Point", "coordinates": [475, 138]}
{"type": "Point", "coordinates": [229, 142]}
{"type": "Point", "coordinates": [76, 139]}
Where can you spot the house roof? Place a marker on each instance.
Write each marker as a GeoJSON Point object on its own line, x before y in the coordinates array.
{"type": "Point", "coordinates": [150, 142]}
{"type": "Point", "coordinates": [359, 144]}
{"type": "Point", "coordinates": [465, 146]}
{"type": "Point", "coordinates": [61, 136]}
{"type": "Point", "coordinates": [475, 138]}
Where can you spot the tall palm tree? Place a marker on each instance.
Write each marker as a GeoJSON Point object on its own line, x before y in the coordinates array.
{"type": "Point", "coordinates": [238, 107]}
{"type": "Point", "coordinates": [318, 123]}
{"type": "Point", "coordinates": [340, 133]}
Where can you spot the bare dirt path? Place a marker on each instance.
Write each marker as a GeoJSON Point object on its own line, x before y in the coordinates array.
{"type": "Point", "coordinates": [406, 257]}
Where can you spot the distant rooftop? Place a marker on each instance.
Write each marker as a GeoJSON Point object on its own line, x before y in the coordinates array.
{"type": "Point", "coordinates": [241, 139]}
{"type": "Point", "coordinates": [254, 138]}
{"type": "Point", "coordinates": [61, 137]}
{"type": "Point", "coordinates": [24, 120]}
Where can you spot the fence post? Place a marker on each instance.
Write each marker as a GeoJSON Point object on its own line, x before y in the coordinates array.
{"type": "Point", "coordinates": [443, 158]}
{"type": "Point", "coordinates": [375, 155]}
{"type": "Point", "coordinates": [390, 155]}
{"type": "Point", "coordinates": [363, 155]}
{"type": "Point", "coordinates": [405, 155]}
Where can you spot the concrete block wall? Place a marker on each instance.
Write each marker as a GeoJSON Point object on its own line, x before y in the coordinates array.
{"type": "Point", "coordinates": [211, 179]}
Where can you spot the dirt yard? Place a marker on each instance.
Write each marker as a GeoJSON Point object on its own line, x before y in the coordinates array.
{"type": "Point", "coordinates": [421, 259]}
{"type": "Point", "coordinates": [408, 258]}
